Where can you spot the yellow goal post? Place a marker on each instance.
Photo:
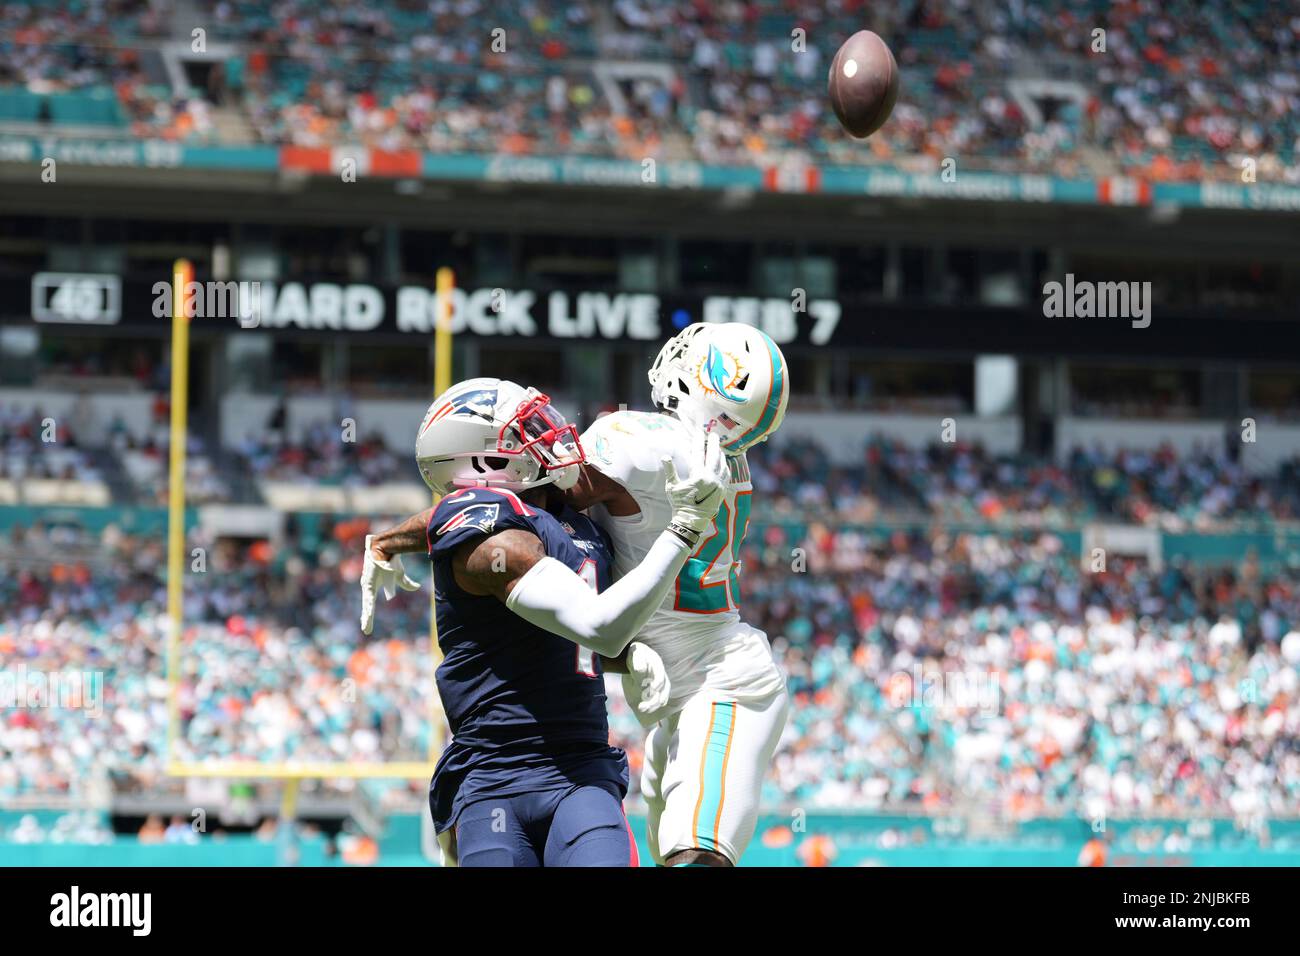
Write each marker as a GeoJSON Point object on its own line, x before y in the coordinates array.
{"type": "Point", "coordinates": [290, 771]}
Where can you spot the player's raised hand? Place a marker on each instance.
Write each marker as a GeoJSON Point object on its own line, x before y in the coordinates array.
{"type": "Point", "coordinates": [376, 574]}
{"type": "Point", "coordinates": [697, 497]}
{"type": "Point", "coordinates": [646, 669]}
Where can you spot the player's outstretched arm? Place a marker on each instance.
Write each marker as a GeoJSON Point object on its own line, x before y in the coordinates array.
{"type": "Point", "coordinates": [512, 565]}
{"type": "Point", "coordinates": [402, 538]}
{"type": "Point", "coordinates": [383, 569]}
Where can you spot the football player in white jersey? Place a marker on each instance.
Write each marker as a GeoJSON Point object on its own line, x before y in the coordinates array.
{"type": "Point", "coordinates": [710, 745]}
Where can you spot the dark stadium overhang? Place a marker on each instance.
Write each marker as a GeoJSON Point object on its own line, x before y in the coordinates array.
{"type": "Point", "coordinates": [288, 197]}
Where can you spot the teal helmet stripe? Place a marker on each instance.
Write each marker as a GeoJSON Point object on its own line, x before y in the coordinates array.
{"type": "Point", "coordinates": [765, 421]}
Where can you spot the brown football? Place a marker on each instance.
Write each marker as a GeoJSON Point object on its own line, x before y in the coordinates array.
{"type": "Point", "coordinates": [863, 83]}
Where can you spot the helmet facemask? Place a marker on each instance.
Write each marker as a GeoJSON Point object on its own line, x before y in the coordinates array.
{"type": "Point", "coordinates": [538, 430]}
{"type": "Point", "coordinates": [666, 374]}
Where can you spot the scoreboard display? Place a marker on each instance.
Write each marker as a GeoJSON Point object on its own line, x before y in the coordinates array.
{"type": "Point", "coordinates": [77, 298]}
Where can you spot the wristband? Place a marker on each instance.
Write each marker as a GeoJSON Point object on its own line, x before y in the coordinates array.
{"type": "Point", "coordinates": [689, 536]}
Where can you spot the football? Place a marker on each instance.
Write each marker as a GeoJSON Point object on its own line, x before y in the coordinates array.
{"type": "Point", "coordinates": [863, 83]}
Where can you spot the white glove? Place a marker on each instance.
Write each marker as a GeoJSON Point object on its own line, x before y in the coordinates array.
{"type": "Point", "coordinates": [697, 497]}
{"type": "Point", "coordinates": [646, 669]}
{"type": "Point", "coordinates": [376, 574]}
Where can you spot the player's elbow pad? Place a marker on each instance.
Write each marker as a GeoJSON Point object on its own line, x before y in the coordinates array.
{"type": "Point", "coordinates": [557, 600]}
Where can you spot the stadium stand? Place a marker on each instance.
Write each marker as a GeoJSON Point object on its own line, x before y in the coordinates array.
{"type": "Point", "coordinates": [1172, 688]}
{"type": "Point", "coordinates": [1181, 91]}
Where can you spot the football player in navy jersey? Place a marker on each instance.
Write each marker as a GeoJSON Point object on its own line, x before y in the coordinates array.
{"type": "Point", "coordinates": [526, 613]}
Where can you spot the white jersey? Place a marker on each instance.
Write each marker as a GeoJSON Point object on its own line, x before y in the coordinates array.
{"type": "Point", "coordinates": [697, 630]}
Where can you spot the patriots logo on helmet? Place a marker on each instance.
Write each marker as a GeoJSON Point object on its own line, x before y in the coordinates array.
{"type": "Point", "coordinates": [482, 516]}
{"type": "Point", "coordinates": [720, 372]}
{"type": "Point", "coordinates": [480, 401]}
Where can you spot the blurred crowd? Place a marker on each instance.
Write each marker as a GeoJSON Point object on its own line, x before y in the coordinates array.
{"type": "Point", "coordinates": [949, 670]}
{"type": "Point", "coordinates": [961, 482]}
{"type": "Point", "coordinates": [319, 456]}
{"type": "Point", "coordinates": [146, 463]}
{"type": "Point", "coordinates": [1203, 490]}
{"type": "Point", "coordinates": [100, 58]}
{"type": "Point", "coordinates": [273, 663]}
{"type": "Point", "coordinates": [932, 669]}
{"type": "Point", "coordinates": [37, 445]}
{"type": "Point", "coordinates": [1165, 89]}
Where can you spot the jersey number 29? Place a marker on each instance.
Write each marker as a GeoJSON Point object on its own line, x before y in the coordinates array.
{"type": "Point", "coordinates": [695, 592]}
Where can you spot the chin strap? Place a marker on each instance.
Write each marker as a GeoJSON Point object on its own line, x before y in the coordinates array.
{"type": "Point", "coordinates": [507, 485]}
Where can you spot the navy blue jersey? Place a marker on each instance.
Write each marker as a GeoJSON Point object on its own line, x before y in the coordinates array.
{"type": "Point", "coordinates": [526, 707]}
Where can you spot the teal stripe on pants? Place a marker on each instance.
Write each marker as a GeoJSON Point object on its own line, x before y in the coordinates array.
{"type": "Point", "coordinates": [715, 759]}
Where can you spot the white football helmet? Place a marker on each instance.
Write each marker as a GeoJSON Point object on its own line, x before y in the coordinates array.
{"type": "Point", "coordinates": [491, 433]}
{"type": "Point", "coordinates": [727, 373]}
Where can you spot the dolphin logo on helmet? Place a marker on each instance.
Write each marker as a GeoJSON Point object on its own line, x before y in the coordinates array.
{"type": "Point", "coordinates": [720, 372]}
